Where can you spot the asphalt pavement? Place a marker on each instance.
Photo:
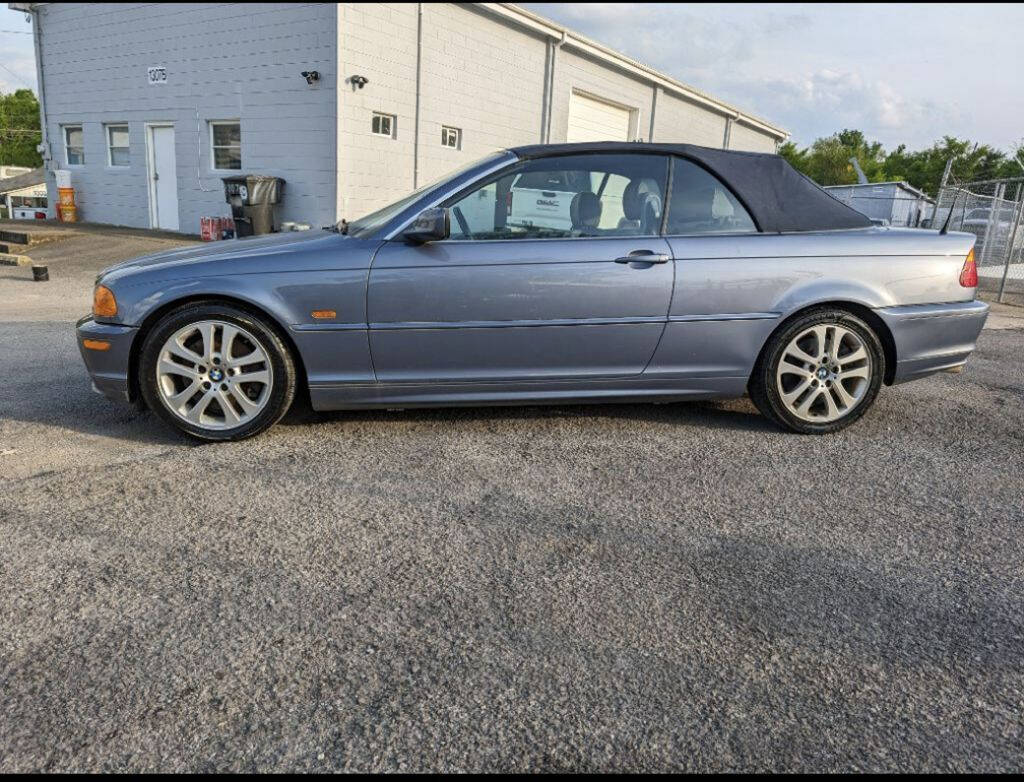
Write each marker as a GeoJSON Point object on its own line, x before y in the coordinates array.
{"type": "Point", "coordinates": [588, 588]}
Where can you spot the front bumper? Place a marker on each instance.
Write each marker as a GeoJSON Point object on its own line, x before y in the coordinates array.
{"type": "Point", "coordinates": [108, 368]}
{"type": "Point", "coordinates": [933, 337]}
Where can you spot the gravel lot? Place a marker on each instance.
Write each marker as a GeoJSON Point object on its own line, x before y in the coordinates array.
{"type": "Point", "coordinates": [586, 588]}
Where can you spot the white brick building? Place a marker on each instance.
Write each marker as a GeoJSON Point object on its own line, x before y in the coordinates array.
{"type": "Point", "coordinates": [193, 92]}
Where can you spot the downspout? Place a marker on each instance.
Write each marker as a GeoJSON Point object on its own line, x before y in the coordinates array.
{"type": "Point", "coordinates": [727, 137]}
{"type": "Point", "coordinates": [546, 100]}
{"type": "Point", "coordinates": [419, 86]}
{"type": "Point", "coordinates": [654, 111]}
{"type": "Point", "coordinates": [550, 86]}
{"type": "Point", "coordinates": [44, 144]}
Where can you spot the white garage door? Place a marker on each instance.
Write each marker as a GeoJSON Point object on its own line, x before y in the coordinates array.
{"type": "Point", "coordinates": [594, 120]}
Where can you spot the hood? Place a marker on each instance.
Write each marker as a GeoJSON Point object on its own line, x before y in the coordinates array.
{"type": "Point", "coordinates": [188, 259]}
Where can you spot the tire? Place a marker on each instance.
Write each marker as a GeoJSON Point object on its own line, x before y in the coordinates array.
{"type": "Point", "coordinates": [833, 391]}
{"type": "Point", "coordinates": [241, 391]}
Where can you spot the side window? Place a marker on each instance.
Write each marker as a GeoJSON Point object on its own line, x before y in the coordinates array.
{"type": "Point", "coordinates": [701, 204]}
{"type": "Point", "coordinates": [566, 197]}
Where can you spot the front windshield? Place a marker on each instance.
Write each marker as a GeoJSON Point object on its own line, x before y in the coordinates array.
{"type": "Point", "coordinates": [368, 224]}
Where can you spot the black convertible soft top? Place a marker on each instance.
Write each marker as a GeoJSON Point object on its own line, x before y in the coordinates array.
{"type": "Point", "coordinates": [778, 197]}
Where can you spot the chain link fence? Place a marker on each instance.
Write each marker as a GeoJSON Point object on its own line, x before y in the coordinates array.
{"type": "Point", "coordinates": [992, 210]}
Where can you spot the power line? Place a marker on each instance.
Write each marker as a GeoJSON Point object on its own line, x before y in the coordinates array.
{"type": "Point", "coordinates": [17, 32]}
{"type": "Point", "coordinates": [16, 76]}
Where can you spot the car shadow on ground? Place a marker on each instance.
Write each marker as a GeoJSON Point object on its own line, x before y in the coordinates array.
{"type": "Point", "coordinates": [731, 414]}
{"type": "Point", "coordinates": [78, 409]}
{"type": "Point", "coordinates": [57, 392]}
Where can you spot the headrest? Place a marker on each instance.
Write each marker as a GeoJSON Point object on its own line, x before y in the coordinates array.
{"type": "Point", "coordinates": [585, 210]}
{"type": "Point", "coordinates": [633, 197]}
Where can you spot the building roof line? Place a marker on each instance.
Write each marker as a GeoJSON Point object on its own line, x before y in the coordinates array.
{"type": "Point", "coordinates": [575, 40]}
{"type": "Point", "coordinates": [898, 182]}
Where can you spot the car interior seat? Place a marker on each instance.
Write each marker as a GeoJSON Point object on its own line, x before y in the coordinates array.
{"type": "Point", "coordinates": [641, 207]}
{"type": "Point", "coordinates": [585, 212]}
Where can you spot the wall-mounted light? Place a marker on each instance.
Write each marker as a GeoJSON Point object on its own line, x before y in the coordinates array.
{"type": "Point", "coordinates": [359, 81]}
{"type": "Point", "coordinates": [311, 77]}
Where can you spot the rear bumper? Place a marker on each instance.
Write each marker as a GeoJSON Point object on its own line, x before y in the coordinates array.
{"type": "Point", "coordinates": [933, 337]}
{"type": "Point", "coordinates": [107, 368]}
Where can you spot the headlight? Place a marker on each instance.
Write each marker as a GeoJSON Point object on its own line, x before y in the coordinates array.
{"type": "Point", "coordinates": [104, 305]}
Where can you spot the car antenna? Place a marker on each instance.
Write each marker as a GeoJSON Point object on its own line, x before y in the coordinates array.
{"type": "Point", "coordinates": [945, 225]}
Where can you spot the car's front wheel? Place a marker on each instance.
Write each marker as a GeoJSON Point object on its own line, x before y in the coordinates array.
{"type": "Point", "coordinates": [819, 373]}
{"type": "Point", "coordinates": [216, 372]}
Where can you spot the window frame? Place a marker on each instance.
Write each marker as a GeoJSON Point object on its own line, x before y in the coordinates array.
{"type": "Point", "coordinates": [107, 128]}
{"type": "Point", "coordinates": [485, 181]}
{"type": "Point", "coordinates": [457, 146]}
{"type": "Point", "coordinates": [213, 147]}
{"type": "Point", "coordinates": [80, 127]}
{"type": "Point", "coordinates": [725, 185]}
{"type": "Point", "coordinates": [392, 118]}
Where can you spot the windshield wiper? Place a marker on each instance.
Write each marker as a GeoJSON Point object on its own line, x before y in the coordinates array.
{"type": "Point", "coordinates": [340, 227]}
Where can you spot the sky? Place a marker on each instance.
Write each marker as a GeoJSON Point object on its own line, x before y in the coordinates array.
{"type": "Point", "coordinates": [902, 73]}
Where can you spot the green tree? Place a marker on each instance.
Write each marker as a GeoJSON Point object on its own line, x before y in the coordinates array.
{"type": "Point", "coordinates": [827, 161]}
{"type": "Point", "coordinates": [923, 169]}
{"type": "Point", "coordinates": [19, 129]}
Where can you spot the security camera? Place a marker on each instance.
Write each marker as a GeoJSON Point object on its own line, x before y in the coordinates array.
{"type": "Point", "coordinates": [311, 77]}
{"type": "Point", "coordinates": [359, 81]}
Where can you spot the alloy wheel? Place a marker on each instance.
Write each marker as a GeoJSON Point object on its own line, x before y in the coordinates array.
{"type": "Point", "coordinates": [214, 374]}
{"type": "Point", "coordinates": [824, 373]}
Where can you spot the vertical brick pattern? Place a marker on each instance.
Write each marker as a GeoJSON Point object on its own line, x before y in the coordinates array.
{"type": "Point", "coordinates": [378, 41]}
{"type": "Point", "coordinates": [224, 61]}
{"type": "Point", "coordinates": [680, 121]}
{"type": "Point", "coordinates": [750, 140]}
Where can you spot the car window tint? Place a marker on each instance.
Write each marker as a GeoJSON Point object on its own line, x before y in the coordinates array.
{"type": "Point", "coordinates": [566, 197]}
{"type": "Point", "coordinates": [701, 204]}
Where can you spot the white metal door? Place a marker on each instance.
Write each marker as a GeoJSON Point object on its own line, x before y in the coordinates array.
{"type": "Point", "coordinates": [595, 120]}
{"type": "Point", "coordinates": [163, 178]}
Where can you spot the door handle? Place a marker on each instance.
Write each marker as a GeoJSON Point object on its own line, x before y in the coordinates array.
{"type": "Point", "coordinates": [643, 256]}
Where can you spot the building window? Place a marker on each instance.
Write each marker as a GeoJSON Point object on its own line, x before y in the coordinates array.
{"type": "Point", "coordinates": [74, 145]}
{"type": "Point", "coordinates": [117, 145]}
{"type": "Point", "coordinates": [451, 137]}
{"type": "Point", "coordinates": [226, 144]}
{"type": "Point", "coordinates": [384, 124]}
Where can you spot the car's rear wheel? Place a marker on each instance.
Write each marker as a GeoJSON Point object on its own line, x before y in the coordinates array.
{"type": "Point", "coordinates": [819, 373]}
{"type": "Point", "coordinates": [216, 372]}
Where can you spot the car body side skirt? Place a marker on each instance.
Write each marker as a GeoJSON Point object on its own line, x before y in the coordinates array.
{"type": "Point", "coordinates": [354, 396]}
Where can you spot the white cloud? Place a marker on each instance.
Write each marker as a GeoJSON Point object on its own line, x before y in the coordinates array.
{"type": "Point", "coordinates": [889, 70]}
{"type": "Point", "coordinates": [824, 101]}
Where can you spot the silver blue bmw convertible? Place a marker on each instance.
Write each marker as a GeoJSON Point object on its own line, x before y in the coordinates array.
{"type": "Point", "coordinates": [575, 273]}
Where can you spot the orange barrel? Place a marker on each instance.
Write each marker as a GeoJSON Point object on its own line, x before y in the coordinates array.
{"type": "Point", "coordinates": [67, 214]}
{"type": "Point", "coordinates": [67, 196]}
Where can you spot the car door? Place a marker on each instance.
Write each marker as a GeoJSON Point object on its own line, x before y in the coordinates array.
{"type": "Point", "coordinates": [728, 278]}
{"type": "Point", "coordinates": [501, 301]}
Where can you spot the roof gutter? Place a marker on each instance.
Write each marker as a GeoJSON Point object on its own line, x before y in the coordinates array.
{"type": "Point", "coordinates": [538, 24]}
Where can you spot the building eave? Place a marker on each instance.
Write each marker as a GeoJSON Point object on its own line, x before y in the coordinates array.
{"type": "Point", "coordinates": [574, 40]}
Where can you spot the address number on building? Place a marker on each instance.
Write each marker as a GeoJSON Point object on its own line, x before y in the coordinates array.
{"type": "Point", "coordinates": [157, 74]}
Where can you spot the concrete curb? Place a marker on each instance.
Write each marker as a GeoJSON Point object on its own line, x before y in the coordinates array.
{"type": "Point", "coordinates": [8, 259]}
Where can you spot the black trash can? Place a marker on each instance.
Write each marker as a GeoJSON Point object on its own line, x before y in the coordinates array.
{"type": "Point", "coordinates": [253, 198]}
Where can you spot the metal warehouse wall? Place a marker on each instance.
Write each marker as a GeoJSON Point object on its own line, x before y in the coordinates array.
{"type": "Point", "coordinates": [485, 75]}
{"type": "Point", "coordinates": [478, 70]}
{"type": "Point", "coordinates": [224, 61]}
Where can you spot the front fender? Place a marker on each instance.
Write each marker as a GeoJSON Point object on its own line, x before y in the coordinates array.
{"type": "Point", "coordinates": [330, 350]}
{"type": "Point", "coordinates": [266, 292]}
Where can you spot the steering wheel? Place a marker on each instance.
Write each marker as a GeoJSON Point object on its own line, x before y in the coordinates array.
{"type": "Point", "coordinates": [463, 225]}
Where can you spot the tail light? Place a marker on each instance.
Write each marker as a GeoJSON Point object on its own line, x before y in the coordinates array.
{"type": "Point", "coordinates": [969, 274]}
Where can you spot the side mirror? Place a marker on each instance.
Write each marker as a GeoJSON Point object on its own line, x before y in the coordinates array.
{"type": "Point", "coordinates": [430, 225]}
